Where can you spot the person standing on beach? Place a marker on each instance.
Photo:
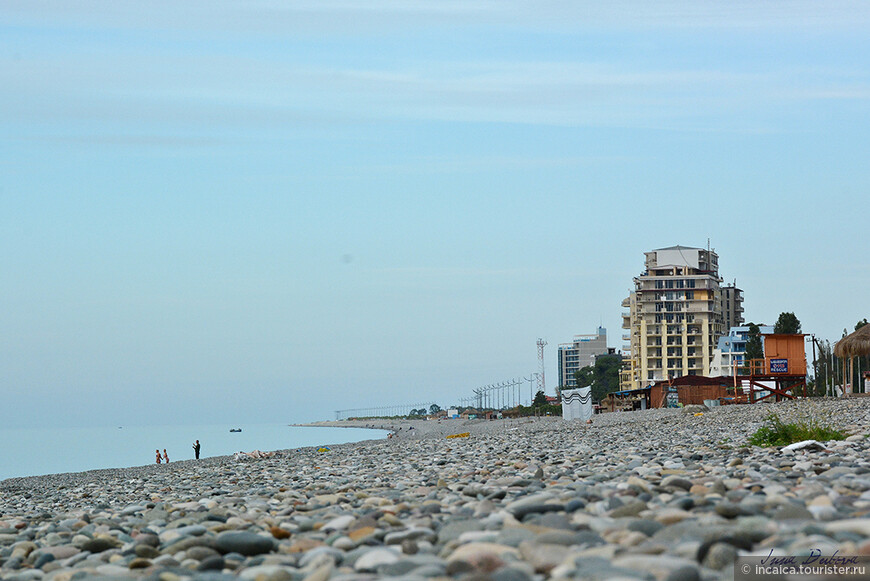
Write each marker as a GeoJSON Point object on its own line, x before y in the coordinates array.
{"type": "Point", "coordinates": [196, 449]}
{"type": "Point", "coordinates": [158, 456]}
{"type": "Point", "coordinates": [165, 456]}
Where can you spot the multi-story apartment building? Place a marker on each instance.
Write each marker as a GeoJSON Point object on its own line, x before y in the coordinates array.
{"type": "Point", "coordinates": [675, 316]}
{"type": "Point", "coordinates": [579, 354]}
{"type": "Point", "coordinates": [732, 305]}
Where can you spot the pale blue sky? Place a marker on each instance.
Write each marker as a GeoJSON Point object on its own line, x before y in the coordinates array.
{"type": "Point", "coordinates": [267, 211]}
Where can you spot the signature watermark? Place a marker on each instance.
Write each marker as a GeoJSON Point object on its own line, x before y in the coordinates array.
{"type": "Point", "coordinates": [814, 565]}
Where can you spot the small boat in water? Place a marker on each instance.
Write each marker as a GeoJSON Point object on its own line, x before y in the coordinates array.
{"type": "Point", "coordinates": [235, 430]}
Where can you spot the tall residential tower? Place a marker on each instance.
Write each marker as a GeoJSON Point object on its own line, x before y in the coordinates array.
{"type": "Point", "coordinates": [676, 315]}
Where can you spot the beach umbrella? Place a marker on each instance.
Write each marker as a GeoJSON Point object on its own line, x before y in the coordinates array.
{"type": "Point", "coordinates": [855, 344]}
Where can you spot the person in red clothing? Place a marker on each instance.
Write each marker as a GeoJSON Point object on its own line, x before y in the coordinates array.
{"type": "Point", "coordinates": [158, 456]}
{"type": "Point", "coordinates": [165, 456]}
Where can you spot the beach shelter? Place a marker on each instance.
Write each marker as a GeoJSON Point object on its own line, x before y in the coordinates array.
{"type": "Point", "coordinates": [577, 404]}
{"type": "Point", "coordinates": [855, 344]}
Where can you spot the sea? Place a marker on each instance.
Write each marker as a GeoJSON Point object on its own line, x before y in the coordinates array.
{"type": "Point", "coordinates": [54, 450]}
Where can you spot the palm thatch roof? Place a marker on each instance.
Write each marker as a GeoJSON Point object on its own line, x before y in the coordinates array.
{"type": "Point", "coordinates": [856, 344]}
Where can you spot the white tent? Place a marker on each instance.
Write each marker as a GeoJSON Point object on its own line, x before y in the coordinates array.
{"type": "Point", "coordinates": [577, 404]}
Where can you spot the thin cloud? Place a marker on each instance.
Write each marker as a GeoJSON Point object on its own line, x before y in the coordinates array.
{"type": "Point", "coordinates": [238, 92]}
{"type": "Point", "coordinates": [146, 141]}
{"type": "Point", "coordinates": [186, 84]}
{"type": "Point", "coordinates": [440, 272]}
{"type": "Point", "coordinates": [466, 164]}
{"type": "Point", "coordinates": [362, 17]}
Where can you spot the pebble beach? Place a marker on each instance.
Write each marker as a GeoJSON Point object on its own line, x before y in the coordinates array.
{"type": "Point", "coordinates": [662, 494]}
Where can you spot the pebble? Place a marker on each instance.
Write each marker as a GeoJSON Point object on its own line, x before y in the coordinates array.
{"type": "Point", "coordinates": [653, 495]}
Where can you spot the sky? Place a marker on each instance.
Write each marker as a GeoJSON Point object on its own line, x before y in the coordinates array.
{"type": "Point", "coordinates": [269, 211]}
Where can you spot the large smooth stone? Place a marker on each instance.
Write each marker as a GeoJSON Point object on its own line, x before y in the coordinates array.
{"type": "Point", "coordinates": [244, 543]}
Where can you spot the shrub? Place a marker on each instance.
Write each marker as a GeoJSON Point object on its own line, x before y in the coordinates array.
{"type": "Point", "coordinates": [776, 433]}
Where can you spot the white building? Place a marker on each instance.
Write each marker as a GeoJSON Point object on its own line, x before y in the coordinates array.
{"type": "Point", "coordinates": [729, 352]}
{"type": "Point", "coordinates": [578, 354]}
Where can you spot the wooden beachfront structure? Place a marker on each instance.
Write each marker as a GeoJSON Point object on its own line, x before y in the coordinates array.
{"type": "Point", "coordinates": [781, 374]}
{"type": "Point", "coordinates": [856, 344]}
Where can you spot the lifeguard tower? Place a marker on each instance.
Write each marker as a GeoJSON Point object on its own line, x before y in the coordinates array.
{"type": "Point", "coordinates": [783, 369]}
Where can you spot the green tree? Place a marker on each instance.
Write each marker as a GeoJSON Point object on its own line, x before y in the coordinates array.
{"type": "Point", "coordinates": [754, 350]}
{"type": "Point", "coordinates": [585, 376]}
{"type": "Point", "coordinates": [607, 368]}
{"type": "Point", "coordinates": [434, 409]}
{"type": "Point", "coordinates": [540, 399]}
{"type": "Point", "coordinates": [603, 376]}
{"type": "Point", "coordinates": [787, 323]}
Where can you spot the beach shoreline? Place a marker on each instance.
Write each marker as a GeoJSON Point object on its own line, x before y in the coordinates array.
{"type": "Point", "coordinates": [659, 495]}
{"type": "Point", "coordinates": [34, 452]}
{"type": "Point", "coordinates": [420, 429]}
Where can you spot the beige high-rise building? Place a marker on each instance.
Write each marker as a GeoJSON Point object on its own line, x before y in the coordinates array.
{"type": "Point", "coordinates": [675, 316]}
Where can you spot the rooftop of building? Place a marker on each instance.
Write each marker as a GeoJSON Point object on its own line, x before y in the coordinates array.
{"type": "Point", "coordinates": [678, 247]}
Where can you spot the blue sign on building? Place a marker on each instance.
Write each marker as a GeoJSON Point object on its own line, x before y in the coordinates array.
{"type": "Point", "coordinates": [779, 365]}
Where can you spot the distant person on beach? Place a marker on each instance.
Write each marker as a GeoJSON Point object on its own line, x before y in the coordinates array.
{"type": "Point", "coordinates": [196, 449]}
{"type": "Point", "coordinates": [165, 456]}
{"type": "Point", "coordinates": [255, 454]}
{"type": "Point", "coordinates": [158, 456]}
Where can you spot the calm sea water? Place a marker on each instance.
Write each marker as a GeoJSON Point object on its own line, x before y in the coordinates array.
{"type": "Point", "coordinates": [36, 451]}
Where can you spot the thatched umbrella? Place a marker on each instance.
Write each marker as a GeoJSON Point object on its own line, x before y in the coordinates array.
{"type": "Point", "coordinates": [856, 344]}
